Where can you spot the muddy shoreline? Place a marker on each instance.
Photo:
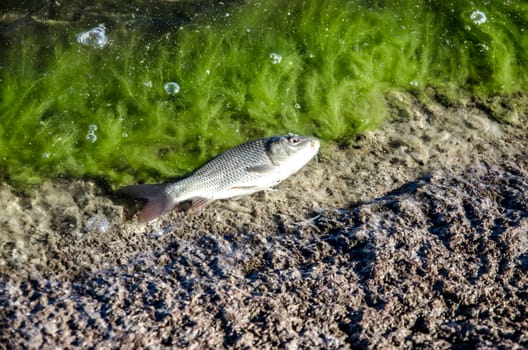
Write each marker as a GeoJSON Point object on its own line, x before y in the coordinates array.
{"type": "Point", "coordinates": [414, 235]}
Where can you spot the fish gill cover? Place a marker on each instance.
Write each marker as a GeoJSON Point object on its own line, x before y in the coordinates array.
{"type": "Point", "coordinates": [109, 100]}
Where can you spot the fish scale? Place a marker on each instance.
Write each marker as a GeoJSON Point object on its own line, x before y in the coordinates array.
{"type": "Point", "coordinates": [239, 171]}
{"type": "Point", "coordinates": [215, 176]}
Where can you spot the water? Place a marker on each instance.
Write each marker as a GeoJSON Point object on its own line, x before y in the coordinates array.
{"type": "Point", "coordinates": [163, 95]}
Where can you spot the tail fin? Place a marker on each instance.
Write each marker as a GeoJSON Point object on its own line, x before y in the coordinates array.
{"type": "Point", "coordinates": [158, 200]}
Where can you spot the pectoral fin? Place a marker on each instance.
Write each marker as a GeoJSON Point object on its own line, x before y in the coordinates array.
{"type": "Point", "coordinates": [263, 168]}
{"type": "Point", "coordinates": [199, 203]}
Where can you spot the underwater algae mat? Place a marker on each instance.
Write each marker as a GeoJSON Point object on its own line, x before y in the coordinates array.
{"type": "Point", "coordinates": [252, 69]}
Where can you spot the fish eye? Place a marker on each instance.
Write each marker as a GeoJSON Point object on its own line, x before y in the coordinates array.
{"type": "Point", "coordinates": [293, 140]}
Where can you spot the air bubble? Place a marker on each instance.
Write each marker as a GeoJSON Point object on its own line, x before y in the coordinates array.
{"type": "Point", "coordinates": [275, 58]}
{"type": "Point", "coordinates": [414, 83]}
{"type": "Point", "coordinates": [171, 88]}
{"type": "Point", "coordinates": [95, 37]}
{"type": "Point", "coordinates": [98, 224]}
{"type": "Point", "coordinates": [162, 231]}
{"type": "Point", "coordinates": [478, 17]}
{"type": "Point", "coordinates": [91, 136]}
{"type": "Point", "coordinates": [483, 47]}
{"type": "Point", "coordinates": [297, 106]}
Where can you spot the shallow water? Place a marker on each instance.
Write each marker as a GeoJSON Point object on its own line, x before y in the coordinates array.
{"type": "Point", "coordinates": [360, 249]}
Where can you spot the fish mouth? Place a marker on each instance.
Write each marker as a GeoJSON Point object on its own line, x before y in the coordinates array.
{"type": "Point", "coordinates": [314, 144]}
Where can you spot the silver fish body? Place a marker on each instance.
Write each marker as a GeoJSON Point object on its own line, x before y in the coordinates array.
{"type": "Point", "coordinates": [239, 171]}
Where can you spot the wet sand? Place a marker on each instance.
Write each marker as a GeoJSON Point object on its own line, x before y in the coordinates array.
{"type": "Point", "coordinates": [415, 235]}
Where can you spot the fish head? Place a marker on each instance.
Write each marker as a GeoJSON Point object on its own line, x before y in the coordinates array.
{"type": "Point", "coordinates": [292, 151]}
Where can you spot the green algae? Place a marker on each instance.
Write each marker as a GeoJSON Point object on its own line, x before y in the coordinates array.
{"type": "Point", "coordinates": [321, 68]}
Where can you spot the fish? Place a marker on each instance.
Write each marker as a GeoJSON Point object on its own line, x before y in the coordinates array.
{"type": "Point", "coordinates": [237, 172]}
